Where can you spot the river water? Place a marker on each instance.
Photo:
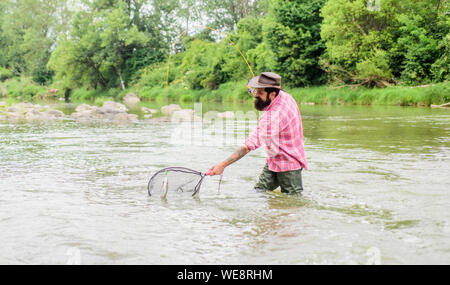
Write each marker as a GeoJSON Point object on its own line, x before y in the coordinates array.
{"type": "Point", "coordinates": [377, 192]}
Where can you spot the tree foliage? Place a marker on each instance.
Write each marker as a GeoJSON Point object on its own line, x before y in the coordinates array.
{"type": "Point", "coordinates": [395, 41]}
{"type": "Point", "coordinates": [225, 15]}
{"type": "Point", "coordinates": [120, 44]}
{"type": "Point", "coordinates": [110, 41]}
{"type": "Point", "coordinates": [292, 31]}
{"type": "Point", "coordinates": [28, 34]}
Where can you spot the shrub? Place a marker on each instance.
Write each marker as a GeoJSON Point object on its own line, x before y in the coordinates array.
{"type": "Point", "coordinates": [23, 88]}
{"type": "Point", "coordinates": [5, 74]}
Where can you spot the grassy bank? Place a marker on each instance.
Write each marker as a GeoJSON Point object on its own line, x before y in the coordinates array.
{"type": "Point", "coordinates": [236, 92]}
{"type": "Point", "coordinates": [23, 89]}
{"type": "Point", "coordinates": [394, 96]}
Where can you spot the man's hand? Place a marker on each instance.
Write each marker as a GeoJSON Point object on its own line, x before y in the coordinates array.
{"type": "Point", "coordinates": [216, 170]}
{"type": "Point", "coordinates": [219, 168]}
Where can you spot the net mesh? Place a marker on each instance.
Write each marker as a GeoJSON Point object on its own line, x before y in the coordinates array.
{"type": "Point", "coordinates": [175, 180]}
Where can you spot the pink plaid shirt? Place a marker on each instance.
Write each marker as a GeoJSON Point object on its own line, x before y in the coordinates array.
{"type": "Point", "coordinates": [280, 129]}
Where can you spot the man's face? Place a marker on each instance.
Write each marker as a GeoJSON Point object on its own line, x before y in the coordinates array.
{"type": "Point", "coordinates": [262, 99]}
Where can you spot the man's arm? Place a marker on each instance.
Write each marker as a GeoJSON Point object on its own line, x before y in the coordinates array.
{"type": "Point", "coordinates": [235, 156]}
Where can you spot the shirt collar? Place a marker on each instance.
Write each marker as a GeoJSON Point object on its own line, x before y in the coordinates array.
{"type": "Point", "coordinates": [274, 102]}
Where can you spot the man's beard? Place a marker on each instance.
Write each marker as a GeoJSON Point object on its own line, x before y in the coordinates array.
{"type": "Point", "coordinates": [260, 105]}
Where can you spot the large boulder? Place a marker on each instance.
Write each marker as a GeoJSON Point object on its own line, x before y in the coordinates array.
{"type": "Point", "coordinates": [168, 110]}
{"type": "Point", "coordinates": [25, 105]}
{"type": "Point", "coordinates": [39, 108]}
{"type": "Point", "coordinates": [109, 112]}
{"type": "Point", "coordinates": [185, 115]}
{"type": "Point", "coordinates": [34, 115]}
{"type": "Point", "coordinates": [131, 99]}
{"type": "Point", "coordinates": [132, 118]}
{"type": "Point", "coordinates": [26, 111]}
{"type": "Point", "coordinates": [13, 109]}
{"type": "Point", "coordinates": [51, 113]}
{"type": "Point", "coordinates": [81, 115]}
{"type": "Point", "coordinates": [85, 107]}
{"type": "Point", "coordinates": [15, 116]}
{"type": "Point", "coordinates": [115, 106]}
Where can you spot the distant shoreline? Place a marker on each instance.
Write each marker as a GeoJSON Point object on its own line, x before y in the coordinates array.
{"type": "Point", "coordinates": [431, 95]}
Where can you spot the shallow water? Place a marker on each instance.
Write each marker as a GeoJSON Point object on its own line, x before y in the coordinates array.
{"type": "Point", "coordinates": [377, 192]}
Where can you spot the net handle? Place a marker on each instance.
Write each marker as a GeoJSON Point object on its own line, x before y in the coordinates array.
{"type": "Point", "coordinates": [199, 184]}
{"type": "Point", "coordinates": [220, 182]}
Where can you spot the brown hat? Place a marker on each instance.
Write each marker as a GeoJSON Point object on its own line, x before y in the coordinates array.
{"type": "Point", "coordinates": [266, 80]}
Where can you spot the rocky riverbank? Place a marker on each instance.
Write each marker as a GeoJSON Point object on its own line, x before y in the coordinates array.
{"type": "Point", "coordinates": [110, 111]}
{"type": "Point", "coordinates": [28, 112]}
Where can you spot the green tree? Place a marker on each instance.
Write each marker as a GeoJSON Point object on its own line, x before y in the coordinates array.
{"type": "Point", "coordinates": [417, 48]}
{"type": "Point", "coordinates": [356, 40]}
{"type": "Point", "coordinates": [29, 31]}
{"type": "Point", "coordinates": [118, 40]}
{"type": "Point", "coordinates": [248, 38]}
{"type": "Point", "coordinates": [76, 59]}
{"type": "Point", "coordinates": [201, 65]}
{"type": "Point", "coordinates": [292, 32]}
{"type": "Point", "coordinates": [110, 41]}
{"type": "Point", "coordinates": [188, 11]}
{"type": "Point", "coordinates": [208, 63]}
{"type": "Point", "coordinates": [224, 15]}
{"type": "Point", "coordinates": [371, 44]}
{"type": "Point", "coordinates": [160, 26]}
{"type": "Point", "coordinates": [421, 30]}
{"type": "Point", "coordinates": [4, 5]}
{"type": "Point", "coordinates": [441, 67]}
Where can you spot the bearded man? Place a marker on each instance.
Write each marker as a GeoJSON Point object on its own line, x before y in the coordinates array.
{"type": "Point", "coordinates": [280, 129]}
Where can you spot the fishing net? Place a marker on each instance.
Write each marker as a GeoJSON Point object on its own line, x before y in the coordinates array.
{"type": "Point", "coordinates": [176, 180]}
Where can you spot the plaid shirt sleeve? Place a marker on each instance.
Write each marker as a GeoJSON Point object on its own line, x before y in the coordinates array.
{"type": "Point", "coordinates": [253, 140]}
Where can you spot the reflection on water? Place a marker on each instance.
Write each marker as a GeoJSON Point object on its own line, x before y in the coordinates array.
{"type": "Point", "coordinates": [384, 129]}
{"type": "Point", "coordinates": [378, 183]}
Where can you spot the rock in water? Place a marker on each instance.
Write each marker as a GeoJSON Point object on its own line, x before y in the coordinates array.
{"type": "Point", "coordinates": [13, 109]}
{"type": "Point", "coordinates": [185, 115]}
{"type": "Point", "coordinates": [114, 105]}
{"type": "Point", "coordinates": [109, 112]}
{"type": "Point", "coordinates": [54, 113]}
{"type": "Point", "coordinates": [168, 110]}
{"type": "Point", "coordinates": [85, 107]}
{"type": "Point", "coordinates": [34, 115]}
{"type": "Point", "coordinates": [131, 99]}
{"type": "Point", "coordinates": [25, 105]}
